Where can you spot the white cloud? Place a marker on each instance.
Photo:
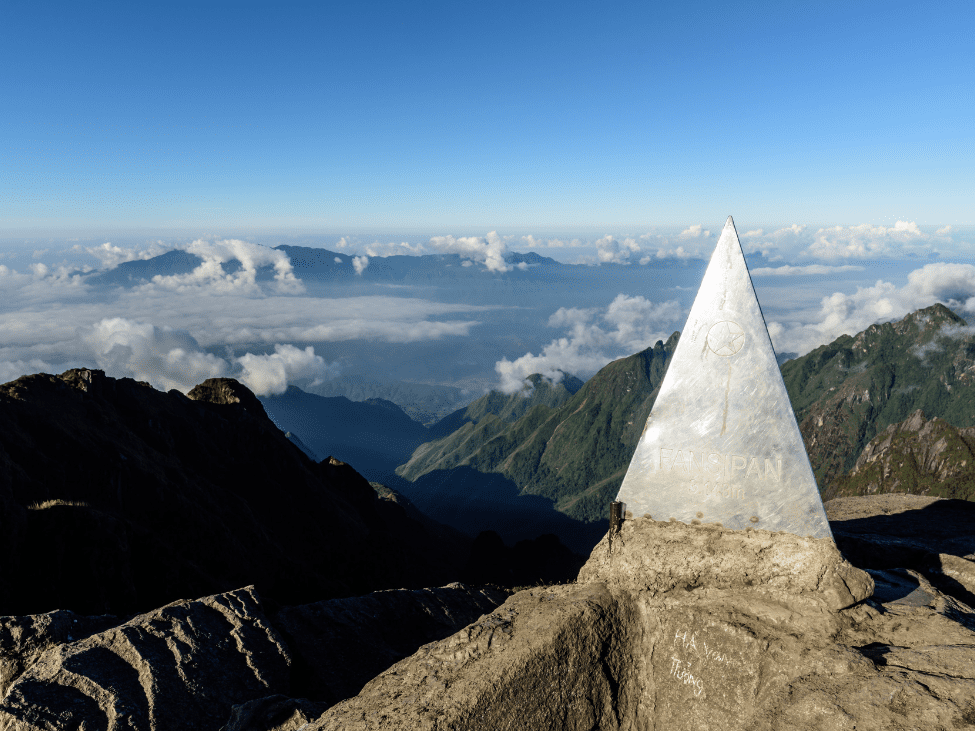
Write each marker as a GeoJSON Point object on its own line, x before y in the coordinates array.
{"type": "Point", "coordinates": [611, 251]}
{"type": "Point", "coordinates": [489, 250]}
{"type": "Point", "coordinates": [688, 244]}
{"type": "Point", "coordinates": [869, 242]}
{"type": "Point", "coordinates": [593, 339]}
{"type": "Point", "coordinates": [211, 275]}
{"type": "Point", "coordinates": [394, 249]}
{"type": "Point", "coordinates": [338, 260]}
{"type": "Point", "coordinates": [696, 232]}
{"type": "Point", "coordinates": [40, 318]}
{"type": "Point", "coordinates": [798, 271]}
{"type": "Point", "coordinates": [11, 370]}
{"type": "Point", "coordinates": [359, 263]}
{"type": "Point", "coordinates": [787, 234]}
{"type": "Point", "coordinates": [43, 286]}
{"type": "Point", "coordinates": [169, 358]}
{"type": "Point", "coordinates": [793, 239]}
{"type": "Point", "coordinates": [679, 253]}
{"type": "Point", "coordinates": [270, 374]}
{"type": "Point", "coordinates": [532, 243]}
{"type": "Point", "coordinates": [943, 231]}
{"type": "Point", "coordinates": [165, 357]}
{"type": "Point", "coordinates": [952, 284]}
{"type": "Point", "coordinates": [848, 314]}
{"type": "Point", "coordinates": [110, 256]}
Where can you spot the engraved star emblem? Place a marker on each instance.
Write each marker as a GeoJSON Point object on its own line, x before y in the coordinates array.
{"type": "Point", "coordinates": [726, 338]}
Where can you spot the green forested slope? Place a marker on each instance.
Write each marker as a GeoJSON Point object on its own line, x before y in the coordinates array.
{"type": "Point", "coordinates": [574, 454]}
{"type": "Point", "coordinates": [847, 392]}
{"type": "Point", "coordinates": [844, 394]}
{"type": "Point", "coordinates": [917, 456]}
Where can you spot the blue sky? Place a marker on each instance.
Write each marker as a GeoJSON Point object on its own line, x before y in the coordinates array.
{"type": "Point", "coordinates": [457, 117]}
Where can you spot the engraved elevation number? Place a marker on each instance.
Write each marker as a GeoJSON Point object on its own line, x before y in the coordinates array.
{"type": "Point", "coordinates": [726, 338]}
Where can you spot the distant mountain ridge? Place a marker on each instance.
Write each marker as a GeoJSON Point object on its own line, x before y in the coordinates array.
{"type": "Point", "coordinates": [423, 402]}
{"type": "Point", "coordinates": [847, 392]}
{"type": "Point", "coordinates": [375, 435]}
{"type": "Point", "coordinates": [917, 456]}
{"type": "Point", "coordinates": [570, 456]}
{"type": "Point", "coordinates": [131, 273]}
{"type": "Point", "coordinates": [324, 265]}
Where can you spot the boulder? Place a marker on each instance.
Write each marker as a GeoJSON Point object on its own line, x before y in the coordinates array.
{"type": "Point", "coordinates": [182, 666]}
{"type": "Point", "coordinates": [757, 567]}
{"type": "Point", "coordinates": [22, 639]}
{"type": "Point", "coordinates": [552, 658]}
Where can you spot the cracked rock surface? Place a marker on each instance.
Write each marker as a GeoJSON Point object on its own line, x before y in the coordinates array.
{"type": "Point", "coordinates": [217, 662]}
{"type": "Point", "coordinates": [695, 627]}
{"type": "Point", "coordinates": [182, 666]}
{"type": "Point", "coordinates": [669, 626]}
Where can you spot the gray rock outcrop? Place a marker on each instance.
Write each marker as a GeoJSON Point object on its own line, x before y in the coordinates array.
{"type": "Point", "coordinates": [179, 667]}
{"type": "Point", "coordinates": [341, 644]}
{"type": "Point", "coordinates": [217, 662]}
{"type": "Point", "coordinates": [692, 627]}
{"type": "Point", "coordinates": [23, 639]}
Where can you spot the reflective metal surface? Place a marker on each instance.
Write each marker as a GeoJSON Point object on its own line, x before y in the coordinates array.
{"type": "Point", "coordinates": [722, 444]}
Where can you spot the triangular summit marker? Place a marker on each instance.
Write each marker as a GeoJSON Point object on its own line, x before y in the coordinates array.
{"type": "Point", "coordinates": [722, 444]}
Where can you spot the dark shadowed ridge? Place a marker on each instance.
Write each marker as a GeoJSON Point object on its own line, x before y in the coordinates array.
{"type": "Point", "coordinates": [374, 435]}
{"type": "Point", "coordinates": [115, 498]}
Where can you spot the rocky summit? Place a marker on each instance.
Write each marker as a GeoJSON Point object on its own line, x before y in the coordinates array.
{"type": "Point", "coordinates": [668, 626]}
{"type": "Point", "coordinates": [674, 626]}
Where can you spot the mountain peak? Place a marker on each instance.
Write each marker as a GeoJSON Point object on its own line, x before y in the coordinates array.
{"type": "Point", "coordinates": [228, 391]}
{"type": "Point", "coordinates": [932, 318]}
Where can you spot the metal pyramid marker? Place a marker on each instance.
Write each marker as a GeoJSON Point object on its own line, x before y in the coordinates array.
{"type": "Point", "coordinates": [722, 444]}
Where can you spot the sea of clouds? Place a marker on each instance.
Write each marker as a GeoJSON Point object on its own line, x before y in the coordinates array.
{"type": "Point", "coordinates": [815, 284]}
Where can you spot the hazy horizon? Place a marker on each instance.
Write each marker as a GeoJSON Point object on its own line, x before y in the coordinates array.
{"type": "Point", "coordinates": [243, 309]}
